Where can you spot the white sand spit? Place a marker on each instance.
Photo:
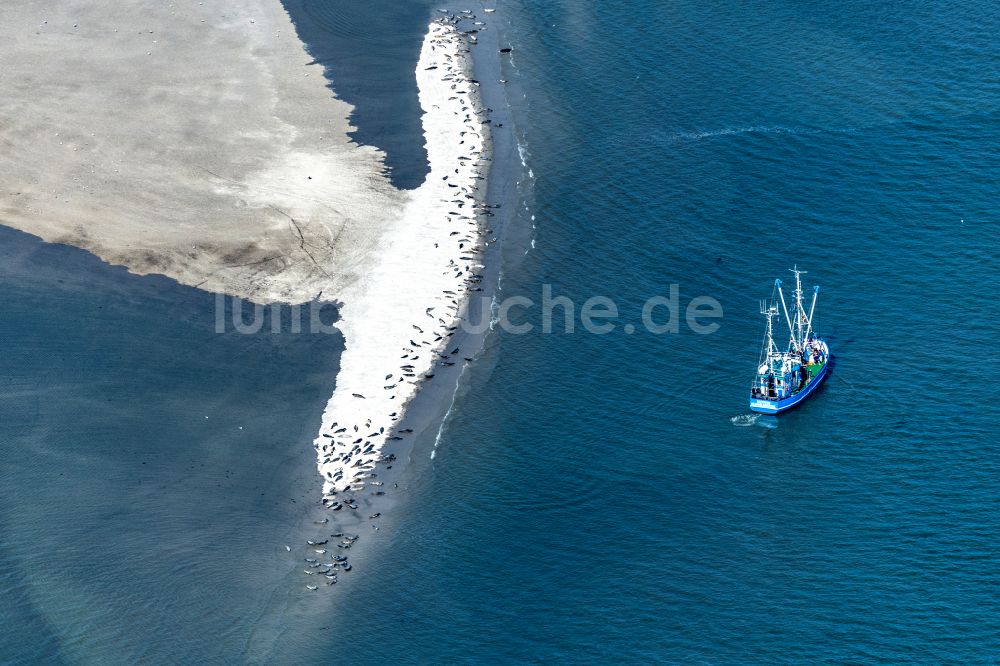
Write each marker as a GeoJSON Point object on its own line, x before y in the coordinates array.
{"type": "Point", "coordinates": [197, 140]}
{"type": "Point", "coordinates": [397, 318]}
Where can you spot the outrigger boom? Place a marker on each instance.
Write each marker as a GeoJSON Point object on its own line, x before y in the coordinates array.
{"type": "Point", "coordinates": [786, 378]}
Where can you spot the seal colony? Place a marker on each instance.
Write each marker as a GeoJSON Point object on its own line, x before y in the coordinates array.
{"type": "Point", "coordinates": [398, 318]}
{"type": "Point", "coordinates": [235, 174]}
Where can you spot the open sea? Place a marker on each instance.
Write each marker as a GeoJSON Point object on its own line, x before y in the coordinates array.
{"type": "Point", "coordinates": [588, 498]}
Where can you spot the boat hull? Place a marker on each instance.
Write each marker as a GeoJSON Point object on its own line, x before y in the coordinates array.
{"type": "Point", "coordinates": [763, 406]}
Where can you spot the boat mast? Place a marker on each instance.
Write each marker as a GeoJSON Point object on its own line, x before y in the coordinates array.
{"type": "Point", "coordinates": [791, 330]}
{"type": "Point", "coordinates": [768, 350]}
{"type": "Point", "coordinates": [812, 309]}
{"type": "Point", "coordinates": [800, 313]}
{"type": "Point", "coordinates": [770, 311]}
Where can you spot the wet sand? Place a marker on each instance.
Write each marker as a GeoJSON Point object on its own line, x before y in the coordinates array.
{"type": "Point", "coordinates": [234, 174]}
{"type": "Point", "coordinates": [195, 140]}
{"type": "Point", "coordinates": [198, 142]}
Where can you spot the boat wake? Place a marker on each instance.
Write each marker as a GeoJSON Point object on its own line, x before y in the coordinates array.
{"type": "Point", "coordinates": [730, 131]}
{"type": "Point", "coordinates": [753, 129]}
{"type": "Point", "coordinates": [744, 420]}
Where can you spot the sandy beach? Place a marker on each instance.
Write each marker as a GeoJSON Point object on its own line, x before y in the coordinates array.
{"type": "Point", "coordinates": [233, 173]}
{"type": "Point", "coordinates": [197, 140]}
{"type": "Point", "coordinates": [397, 320]}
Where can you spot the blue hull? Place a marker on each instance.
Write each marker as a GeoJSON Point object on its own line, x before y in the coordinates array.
{"type": "Point", "coordinates": [776, 406]}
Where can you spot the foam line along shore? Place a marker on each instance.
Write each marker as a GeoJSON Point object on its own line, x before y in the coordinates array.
{"type": "Point", "coordinates": [398, 319]}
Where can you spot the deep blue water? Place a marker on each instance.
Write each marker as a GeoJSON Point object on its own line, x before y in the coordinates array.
{"type": "Point", "coordinates": [591, 497]}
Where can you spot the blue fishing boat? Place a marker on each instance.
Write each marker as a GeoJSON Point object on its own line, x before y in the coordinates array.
{"type": "Point", "coordinates": [787, 377]}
